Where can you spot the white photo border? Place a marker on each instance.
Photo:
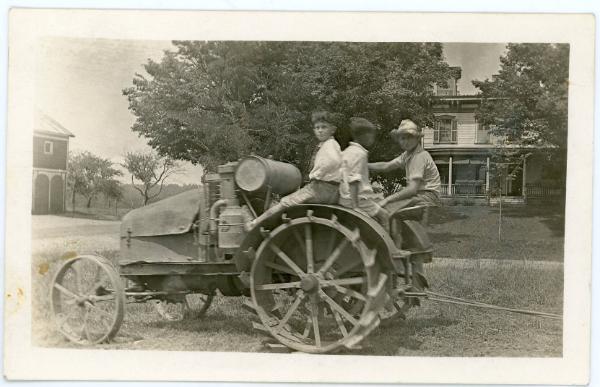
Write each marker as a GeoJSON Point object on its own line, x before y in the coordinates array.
{"type": "Point", "coordinates": [27, 25]}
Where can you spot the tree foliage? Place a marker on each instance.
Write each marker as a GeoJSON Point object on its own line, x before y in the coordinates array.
{"type": "Point", "coordinates": [151, 170]}
{"type": "Point", "coordinates": [212, 102]}
{"type": "Point", "coordinates": [526, 103]}
{"type": "Point", "coordinates": [89, 175]}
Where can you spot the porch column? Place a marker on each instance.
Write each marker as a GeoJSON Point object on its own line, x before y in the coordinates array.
{"type": "Point", "coordinates": [450, 176]}
{"type": "Point", "coordinates": [50, 176]}
{"type": "Point", "coordinates": [64, 209]}
{"type": "Point", "coordinates": [487, 177]}
{"type": "Point", "coordinates": [523, 190]}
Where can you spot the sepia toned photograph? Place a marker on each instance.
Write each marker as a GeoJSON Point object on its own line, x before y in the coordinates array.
{"type": "Point", "coordinates": [266, 197]}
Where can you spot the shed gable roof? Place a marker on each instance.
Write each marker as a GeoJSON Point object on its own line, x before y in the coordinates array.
{"type": "Point", "coordinates": [44, 124]}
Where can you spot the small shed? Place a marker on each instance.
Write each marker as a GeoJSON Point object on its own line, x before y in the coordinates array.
{"type": "Point", "coordinates": [50, 153]}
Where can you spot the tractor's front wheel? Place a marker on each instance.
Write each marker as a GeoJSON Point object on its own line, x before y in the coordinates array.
{"type": "Point", "coordinates": [87, 300]}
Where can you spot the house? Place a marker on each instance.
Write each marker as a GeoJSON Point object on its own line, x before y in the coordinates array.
{"type": "Point", "coordinates": [50, 152]}
{"type": "Point", "coordinates": [462, 149]}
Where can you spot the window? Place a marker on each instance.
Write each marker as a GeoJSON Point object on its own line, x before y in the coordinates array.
{"type": "Point", "coordinates": [48, 147]}
{"type": "Point", "coordinates": [445, 130]}
{"type": "Point", "coordinates": [482, 136]}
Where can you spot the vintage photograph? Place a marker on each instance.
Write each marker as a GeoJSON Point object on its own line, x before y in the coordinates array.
{"type": "Point", "coordinates": [361, 198]}
{"type": "Point", "coordinates": [374, 198]}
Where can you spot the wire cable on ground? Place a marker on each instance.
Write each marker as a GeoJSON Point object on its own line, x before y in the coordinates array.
{"type": "Point", "coordinates": [461, 301]}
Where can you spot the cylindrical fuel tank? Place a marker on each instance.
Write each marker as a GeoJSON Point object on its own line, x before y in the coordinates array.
{"type": "Point", "coordinates": [256, 174]}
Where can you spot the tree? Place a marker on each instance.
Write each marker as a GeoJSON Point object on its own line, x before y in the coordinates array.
{"type": "Point", "coordinates": [151, 170]}
{"type": "Point", "coordinates": [88, 175]}
{"type": "Point", "coordinates": [112, 190]}
{"type": "Point", "coordinates": [526, 103]}
{"type": "Point", "coordinates": [212, 102]}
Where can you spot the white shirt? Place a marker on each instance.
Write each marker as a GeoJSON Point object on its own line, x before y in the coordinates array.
{"type": "Point", "coordinates": [356, 168]}
{"type": "Point", "coordinates": [328, 162]}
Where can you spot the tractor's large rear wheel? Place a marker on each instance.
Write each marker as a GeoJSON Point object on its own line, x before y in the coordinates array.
{"type": "Point", "coordinates": [315, 285]}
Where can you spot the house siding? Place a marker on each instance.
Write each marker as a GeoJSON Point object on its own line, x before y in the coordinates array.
{"type": "Point", "coordinates": [56, 160]}
{"type": "Point", "coordinates": [466, 129]}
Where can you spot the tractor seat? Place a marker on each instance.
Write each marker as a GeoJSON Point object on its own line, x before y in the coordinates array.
{"type": "Point", "coordinates": [417, 213]}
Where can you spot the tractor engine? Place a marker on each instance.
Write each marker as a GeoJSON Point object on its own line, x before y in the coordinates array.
{"type": "Point", "coordinates": [236, 194]}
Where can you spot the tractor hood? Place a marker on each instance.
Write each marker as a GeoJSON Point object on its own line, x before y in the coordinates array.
{"type": "Point", "coordinates": [173, 215]}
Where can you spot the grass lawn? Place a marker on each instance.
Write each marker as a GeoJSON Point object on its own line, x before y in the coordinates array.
{"type": "Point", "coordinates": [98, 213]}
{"type": "Point", "coordinates": [532, 232]}
{"type": "Point", "coordinates": [434, 329]}
{"type": "Point", "coordinates": [508, 272]}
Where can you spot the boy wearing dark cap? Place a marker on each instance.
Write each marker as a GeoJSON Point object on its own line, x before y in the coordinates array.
{"type": "Point", "coordinates": [325, 170]}
{"type": "Point", "coordinates": [356, 190]}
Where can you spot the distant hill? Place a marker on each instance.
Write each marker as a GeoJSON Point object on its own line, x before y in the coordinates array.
{"type": "Point", "coordinates": [131, 197]}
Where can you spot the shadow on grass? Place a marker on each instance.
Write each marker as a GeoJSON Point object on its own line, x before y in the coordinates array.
{"type": "Point", "coordinates": [214, 322]}
{"type": "Point", "coordinates": [441, 215]}
{"type": "Point", "coordinates": [396, 333]}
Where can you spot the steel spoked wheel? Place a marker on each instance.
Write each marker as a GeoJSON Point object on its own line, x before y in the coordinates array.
{"type": "Point", "coordinates": [315, 285]}
{"type": "Point", "coordinates": [188, 306]}
{"type": "Point", "coordinates": [87, 300]}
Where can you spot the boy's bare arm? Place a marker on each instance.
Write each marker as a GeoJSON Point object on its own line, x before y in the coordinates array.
{"type": "Point", "coordinates": [382, 166]}
{"type": "Point", "coordinates": [354, 193]}
{"type": "Point", "coordinates": [409, 191]}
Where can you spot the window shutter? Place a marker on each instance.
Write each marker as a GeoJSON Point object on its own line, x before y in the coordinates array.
{"type": "Point", "coordinates": [436, 133]}
{"type": "Point", "coordinates": [453, 130]}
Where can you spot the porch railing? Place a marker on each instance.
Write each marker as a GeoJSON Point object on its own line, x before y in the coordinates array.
{"type": "Point", "coordinates": [466, 189]}
{"type": "Point", "coordinates": [537, 190]}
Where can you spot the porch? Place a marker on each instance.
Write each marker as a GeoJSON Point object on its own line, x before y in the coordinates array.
{"type": "Point", "coordinates": [469, 176]}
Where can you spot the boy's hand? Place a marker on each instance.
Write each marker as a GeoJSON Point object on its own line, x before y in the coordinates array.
{"type": "Point", "coordinates": [383, 202]}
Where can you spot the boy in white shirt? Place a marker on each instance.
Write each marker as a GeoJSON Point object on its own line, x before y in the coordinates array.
{"type": "Point", "coordinates": [325, 172]}
{"type": "Point", "coordinates": [356, 190]}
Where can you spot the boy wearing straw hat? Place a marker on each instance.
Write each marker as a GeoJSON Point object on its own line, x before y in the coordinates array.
{"type": "Point", "coordinates": [423, 185]}
{"type": "Point", "coordinates": [422, 176]}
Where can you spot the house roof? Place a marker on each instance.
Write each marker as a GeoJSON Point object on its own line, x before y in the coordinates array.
{"type": "Point", "coordinates": [44, 124]}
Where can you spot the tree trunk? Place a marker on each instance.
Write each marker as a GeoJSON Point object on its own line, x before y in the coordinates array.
{"type": "Point", "coordinates": [500, 216]}
{"type": "Point", "coordinates": [73, 202]}
{"type": "Point", "coordinates": [89, 202]}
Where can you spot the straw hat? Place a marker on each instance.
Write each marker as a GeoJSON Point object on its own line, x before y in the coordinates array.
{"type": "Point", "coordinates": [407, 127]}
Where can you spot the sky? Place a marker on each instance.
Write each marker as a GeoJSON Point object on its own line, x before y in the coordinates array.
{"type": "Point", "coordinates": [79, 83]}
{"type": "Point", "coordinates": [477, 60]}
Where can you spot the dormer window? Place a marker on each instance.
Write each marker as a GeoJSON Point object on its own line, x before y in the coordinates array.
{"type": "Point", "coordinates": [445, 130]}
{"type": "Point", "coordinates": [48, 147]}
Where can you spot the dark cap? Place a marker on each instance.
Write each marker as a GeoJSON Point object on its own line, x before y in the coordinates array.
{"type": "Point", "coordinates": [360, 125]}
